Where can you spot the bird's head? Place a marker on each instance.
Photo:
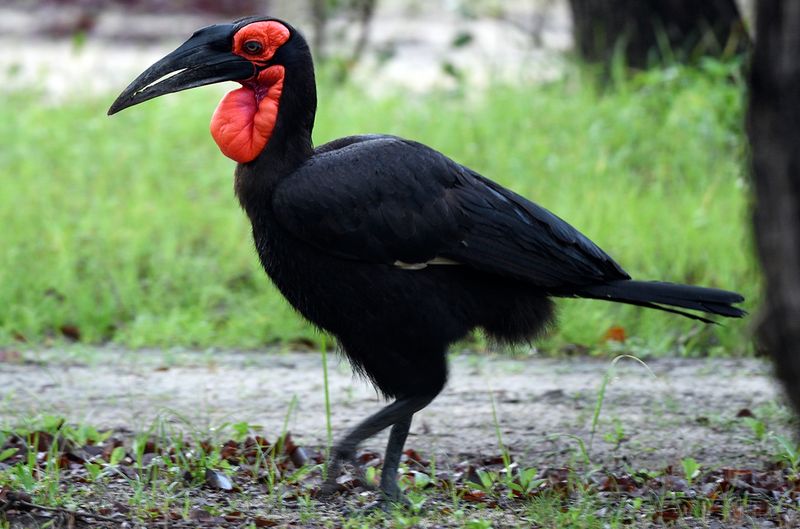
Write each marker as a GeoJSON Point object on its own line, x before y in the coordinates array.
{"type": "Point", "coordinates": [256, 52]}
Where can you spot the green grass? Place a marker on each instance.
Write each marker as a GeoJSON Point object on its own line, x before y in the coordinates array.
{"type": "Point", "coordinates": [127, 227]}
{"type": "Point", "coordinates": [172, 471]}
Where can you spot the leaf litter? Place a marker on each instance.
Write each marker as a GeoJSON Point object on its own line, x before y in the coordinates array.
{"type": "Point", "coordinates": [215, 473]}
{"type": "Point", "coordinates": [148, 477]}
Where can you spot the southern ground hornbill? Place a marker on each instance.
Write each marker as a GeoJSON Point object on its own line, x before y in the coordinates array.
{"type": "Point", "coordinates": [387, 244]}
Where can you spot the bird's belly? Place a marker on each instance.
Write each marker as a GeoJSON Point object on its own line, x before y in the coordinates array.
{"type": "Point", "coordinates": [391, 320]}
{"type": "Point", "coordinates": [346, 297]}
{"type": "Point", "coordinates": [421, 309]}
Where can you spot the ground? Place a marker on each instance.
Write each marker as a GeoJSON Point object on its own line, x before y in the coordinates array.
{"type": "Point", "coordinates": [721, 415]}
{"type": "Point", "coordinates": [718, 422]}
{"type": "Point", "coordinates": [672, 409]}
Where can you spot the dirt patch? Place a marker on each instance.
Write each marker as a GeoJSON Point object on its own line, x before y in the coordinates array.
{"type": "Point", "coordinates": [685, 407]}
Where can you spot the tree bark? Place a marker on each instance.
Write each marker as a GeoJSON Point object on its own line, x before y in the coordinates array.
{"type": "Point", "coordinates": [648, 31]}
{"type": "Point", "coordinates": [774, 129]}
{"type": "Point", "coordinates": [319, 23]}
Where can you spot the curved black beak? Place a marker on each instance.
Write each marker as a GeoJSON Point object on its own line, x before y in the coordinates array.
{"type": "Point", "coordinates": [205, 58]}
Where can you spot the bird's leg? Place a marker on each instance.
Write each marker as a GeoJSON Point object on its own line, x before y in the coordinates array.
{"type": "Point", "coordinates": [394, 450]}
{"type": "Point", "coordinates": [398, 411]}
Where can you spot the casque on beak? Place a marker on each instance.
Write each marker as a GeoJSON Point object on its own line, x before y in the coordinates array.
{"type": "Point", "coordinates": [205, 58]}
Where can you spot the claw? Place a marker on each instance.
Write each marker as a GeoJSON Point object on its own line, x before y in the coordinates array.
{"type": "Point", "coordinates": [328, 489]}
{"type": "Point", "coordinates": [386, 502]}
{"type": "Point", "coordinates": [331, 486]}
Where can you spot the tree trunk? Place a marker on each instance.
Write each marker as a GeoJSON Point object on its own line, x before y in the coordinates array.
{"type": "Point", "coordinates": [319, 23]}
{"type": "Point", "coordinates": [647, 31]}
{"type": "Point", "coordinates": [774, 129]}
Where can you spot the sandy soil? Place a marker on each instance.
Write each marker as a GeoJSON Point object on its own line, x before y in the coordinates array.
{"type": "Point", "coordinates": [683, 408]}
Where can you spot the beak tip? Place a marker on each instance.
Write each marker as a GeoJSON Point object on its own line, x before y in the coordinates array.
{"type": "Point", "coordinates": [116, 106]}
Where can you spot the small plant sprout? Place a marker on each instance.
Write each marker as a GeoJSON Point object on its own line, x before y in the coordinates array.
{"type": "Point", "coordinates": [242, 429]}
{"type": "Point", "coordinates": [486, 480]}
{"type": "Point", "coordinates": [503, 449]}
{"type": "Point", "coordinates": [8, 452]}
{"type": "Point", "coordinates": [617, 436]}
{"type": "Point", "coordinates": [478, 524]}
{"type": "Point", "coordinates": [371, 475]}
{"type": "Point", "coordinates": [326, 387]}
{"type": "Point", "coordinates": [93, 470]}
{"type": "Point", "coordinates": [416, 499]}
{"type": "Point", "coordinates": [525, 482]}
{"type": "Point", "coordinates": [583, 452]}
{"type": "Point", "coordinates": [691, 469]}
{"type": "Point", "coordinates": [116, 457]}
{"type": "Point", "coordinates": [757, 426]}
{"type": "Point", "coordinates": [601, 393]}
{"type": "Point", "coordinates": [788, 453]}
{"type": "Point", "coordinates": [421, 480]}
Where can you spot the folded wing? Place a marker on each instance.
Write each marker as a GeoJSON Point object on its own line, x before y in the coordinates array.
{"type": "Point", "coordinates": [385, 200]}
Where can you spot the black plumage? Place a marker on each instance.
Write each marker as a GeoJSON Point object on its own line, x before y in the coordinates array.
{"type": "Point", "coordinates": [398, 251]}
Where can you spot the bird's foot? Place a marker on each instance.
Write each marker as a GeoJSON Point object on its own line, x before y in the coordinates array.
{"type": "Point", "coordinates": [331, 486]}
{"type": "Point", "coordinates": [391, 493]}
{"type": "Point", "coordinates": [388, 500]}
{"type": "Point", "coordinates": [385, 504]}
{"type": "Point", "coordinates": [383, 501]}
{"type": "Point", "coordinates": [328, 489]}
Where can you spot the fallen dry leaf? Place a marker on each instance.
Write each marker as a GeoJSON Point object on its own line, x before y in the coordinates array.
{"type": "Point", "coordinates": [474, 496]}
{"type": "Point", "coordinates": [614, 333]}
{"type": "Point", "coordinates": [70, 331]}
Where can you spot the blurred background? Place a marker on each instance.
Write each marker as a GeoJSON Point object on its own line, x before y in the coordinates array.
{"type": "Point", "coordinates": [623, 117]}
{"type": "Point", "coordinates": [416, 43]}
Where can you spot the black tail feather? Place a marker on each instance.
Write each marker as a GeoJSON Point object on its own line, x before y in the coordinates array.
{"type": "Point", "coordinates": [655, 294]}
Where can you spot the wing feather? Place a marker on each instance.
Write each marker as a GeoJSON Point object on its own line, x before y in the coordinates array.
{"type": "Point", "coordinates": [384, 200]}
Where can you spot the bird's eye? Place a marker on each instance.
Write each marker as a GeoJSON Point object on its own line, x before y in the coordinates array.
{"type": "Point", "coordinates": [253, 47]}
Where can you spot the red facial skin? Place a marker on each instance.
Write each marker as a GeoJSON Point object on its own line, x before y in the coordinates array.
{"type": "Point", "coordinates": [245, 118]}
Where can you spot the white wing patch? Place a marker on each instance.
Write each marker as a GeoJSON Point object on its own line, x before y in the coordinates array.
{"type": "Point", "coordinates": [420, 266]}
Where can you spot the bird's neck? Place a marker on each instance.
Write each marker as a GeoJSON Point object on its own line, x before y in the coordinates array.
{"type": "Point", "coordinates": [289, 144]}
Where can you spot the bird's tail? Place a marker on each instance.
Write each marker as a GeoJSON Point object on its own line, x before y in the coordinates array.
{"type": "Point", "coordinates": [665, 296]}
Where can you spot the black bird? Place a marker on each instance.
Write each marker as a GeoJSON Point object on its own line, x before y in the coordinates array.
{"type": "Point", "coordinates": [386, 244]}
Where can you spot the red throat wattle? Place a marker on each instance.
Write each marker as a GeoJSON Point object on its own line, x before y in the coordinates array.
{"type": "Point", "coordinates": [244, 120]}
